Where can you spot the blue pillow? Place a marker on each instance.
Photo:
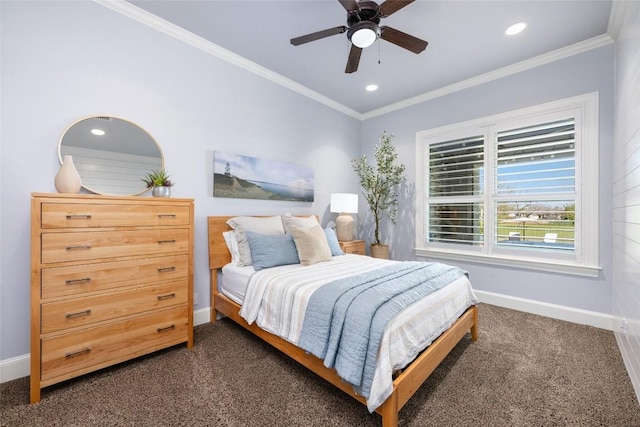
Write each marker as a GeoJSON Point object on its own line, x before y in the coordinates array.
{"type": "Point", "coordinates": [332, 239]}
{"type": "Point", "coordinates": [270, 250]}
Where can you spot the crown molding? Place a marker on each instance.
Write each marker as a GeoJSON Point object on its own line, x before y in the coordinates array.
{"type": "Point", "coordinates": [179, 33]}
{"type": "Point", "coordinates": [157, 23]}
{"type": "Point", "coordinates": [555, 55]}
{"type": "Point", "coordinates": [619, 11]}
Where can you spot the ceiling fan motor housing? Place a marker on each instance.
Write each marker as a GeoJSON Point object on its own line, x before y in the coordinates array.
{"type": "Point", "coordinates": [368, 11]}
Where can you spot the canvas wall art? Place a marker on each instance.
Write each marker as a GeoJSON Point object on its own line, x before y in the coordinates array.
{"type": "Point", "coordinates": [246, 177]}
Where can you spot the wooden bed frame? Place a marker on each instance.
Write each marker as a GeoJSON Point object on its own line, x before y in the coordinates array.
{"type": "Point", "coordinates": [404, 385]}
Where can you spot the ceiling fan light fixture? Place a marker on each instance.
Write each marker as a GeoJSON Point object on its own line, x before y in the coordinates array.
{"type": "Point", "coordinates": [363, 19]}
{"type": "Point", "coordinates": [364, 34]}
{"type": "Point", "coordinates": [363, 38]}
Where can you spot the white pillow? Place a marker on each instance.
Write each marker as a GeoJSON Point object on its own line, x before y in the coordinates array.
{"type": "Point", "coordinates": [299, 221]}
{"type": "Point", "coordinates": [232, 245]}
{"type": "Point", "coordinates": [264, 225]}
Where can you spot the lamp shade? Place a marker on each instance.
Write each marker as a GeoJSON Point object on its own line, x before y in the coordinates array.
{"type": "Point", "coordinates": [344, 203]}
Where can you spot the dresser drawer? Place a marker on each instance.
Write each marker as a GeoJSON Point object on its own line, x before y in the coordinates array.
{"type": "Point", "coordinates": [81, 279]}
{"type": "Point", "coordinates": [356, 250]}
{"type": "Point", "coordinates": [60, 315]}
{"type": "Point", "coordinates": [76, 215]}
{"type": "Point", "coordinates": [78, 353]}
{"type": "Point", "coordinates": [353, 247]}
{"type": "Point", "coordinates": [91, 245]}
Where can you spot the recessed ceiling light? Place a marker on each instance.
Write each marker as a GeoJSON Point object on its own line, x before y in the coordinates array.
{"type": "Point", "coordinates": [516, 28]}
{"type": "Point", "coordinates": [371, 88]}
{"type": "Point", "coordinates": [98, 132]}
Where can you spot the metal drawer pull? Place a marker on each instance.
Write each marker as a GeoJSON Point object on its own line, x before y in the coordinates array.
{"type": "Point", "coordinates": [166, 241]}
{"type": "Point", "coordinates": [78, 313]}
{"type": "Point", "coordinates": [78, 216]}
{"type": "Point", "coordinates": [71, 248]}
{"type": "Point", "coordinates": [166, 215]}
{"type": "Point", "coordinates": [77, 281]}
{"type": "Point", "coordinates": [77, 353]}
{"type": "Point", "coordinates": [166, 269]}
{"type": "Point", "coordinates": [167, 296]}
{"type": "Point", "coordinates": [168, 328]}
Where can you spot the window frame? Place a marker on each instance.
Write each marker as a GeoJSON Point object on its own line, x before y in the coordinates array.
{"type": "Point", "coordinates": [585, 260]}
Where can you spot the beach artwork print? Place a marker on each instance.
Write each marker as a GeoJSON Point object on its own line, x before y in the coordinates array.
{"type": "Point", "coordinates": [245, 177]}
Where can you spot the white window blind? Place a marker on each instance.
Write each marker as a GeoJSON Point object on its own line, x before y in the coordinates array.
{"type": "Point", "coordinates": [519, 188]}
{"type": "Point", "coordinates": [536, 161]}
{"type": "Point", "coordinates": [456, 170]}
{"type": "Point", "coordinates": [454, 167]}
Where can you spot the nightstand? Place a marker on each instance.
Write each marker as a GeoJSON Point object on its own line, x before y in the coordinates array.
{"type": "Point", "coordinates": [353, 247]}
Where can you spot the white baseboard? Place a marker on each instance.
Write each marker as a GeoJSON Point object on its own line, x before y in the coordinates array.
{"type": "Point", "coordinates": [14, 368]}
{"type": "Point", "coordinates": [202, 316]}
{"type": "Point", "coordinates": [623, 344]}
{"type": "Point", "coordinates": [561, 312]}
{"type": "Point", "coordinates": [18, 367]}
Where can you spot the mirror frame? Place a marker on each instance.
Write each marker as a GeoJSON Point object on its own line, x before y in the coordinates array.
{"type": "Point", "coordinates": [60, 156]}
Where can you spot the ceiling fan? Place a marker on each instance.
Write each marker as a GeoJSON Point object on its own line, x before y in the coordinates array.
{"type": "Point", "coordinates": [363, 30]}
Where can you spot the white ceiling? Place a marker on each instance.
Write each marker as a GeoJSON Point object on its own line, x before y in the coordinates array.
{"type": "Point", "coordinates": [466, 39]}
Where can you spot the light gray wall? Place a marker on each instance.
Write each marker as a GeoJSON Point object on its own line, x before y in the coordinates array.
{"type": "Point", "coordinates": [625, 19]}
{"type": "Point", "coordinates": [65, 60]}
{"type": "Point", "coordinates": [576, 75]}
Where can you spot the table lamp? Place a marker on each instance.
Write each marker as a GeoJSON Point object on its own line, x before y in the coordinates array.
{"type": "Point", "coordinates": [344, 204]}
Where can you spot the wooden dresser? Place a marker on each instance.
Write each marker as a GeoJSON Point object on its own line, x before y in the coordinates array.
{"type": "Point", "coordinates": [111, 279]}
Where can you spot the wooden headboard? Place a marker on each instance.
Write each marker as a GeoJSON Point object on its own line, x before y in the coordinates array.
{"type": "Point", "coordinates": [219, 255]}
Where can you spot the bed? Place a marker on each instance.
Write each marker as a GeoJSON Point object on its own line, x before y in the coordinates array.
{"type": "Point", "coordinates": [227, 298]}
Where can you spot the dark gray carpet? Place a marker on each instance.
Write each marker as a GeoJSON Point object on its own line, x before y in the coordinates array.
{"type": "Point", "coordinates": [525, 370]}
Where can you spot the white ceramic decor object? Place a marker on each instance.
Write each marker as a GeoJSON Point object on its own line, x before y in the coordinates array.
{"type": "Point", "coordinates": [67, 179]}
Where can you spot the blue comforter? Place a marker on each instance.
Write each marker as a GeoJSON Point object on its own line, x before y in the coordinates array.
{"type": "Point", "coordinates": [345, 319]}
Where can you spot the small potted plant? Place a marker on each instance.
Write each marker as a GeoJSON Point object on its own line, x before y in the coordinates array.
{"type": "Point", "coordinates": [159, 180]}
{"type": "Point", "coordinates": [379, 184]}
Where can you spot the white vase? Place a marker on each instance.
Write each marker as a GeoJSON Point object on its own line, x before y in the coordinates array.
{"type": "Point", "coordinates": [68, 179]}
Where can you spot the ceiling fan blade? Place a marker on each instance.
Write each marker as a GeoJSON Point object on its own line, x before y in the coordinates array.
{"type": "Point", "coordinates": [354, 59]}
{"type": "Point", "coordinates": [349, 5]}
{"type": "Point", "coordinates": [392, 6]}
{"type": "Point", "coordinates": [318, 35]}
{"type": "Point", "coordinates": [403, 40]}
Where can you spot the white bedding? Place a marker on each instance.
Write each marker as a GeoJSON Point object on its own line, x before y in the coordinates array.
{"type": "Point", "coordinates": [234, 281]}
{"type": "Point", "coordinates": [276, 299]}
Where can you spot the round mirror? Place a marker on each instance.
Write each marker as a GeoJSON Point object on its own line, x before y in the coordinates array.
{"type": "Point", "coordinates": [111, 155]}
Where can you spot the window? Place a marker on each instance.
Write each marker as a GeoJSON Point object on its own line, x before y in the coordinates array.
{"type": "Point", "coordinates": [517, 189]}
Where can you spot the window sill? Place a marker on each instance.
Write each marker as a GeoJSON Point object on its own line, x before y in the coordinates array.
{"type": "Point", "coordinates": [507, 261]}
